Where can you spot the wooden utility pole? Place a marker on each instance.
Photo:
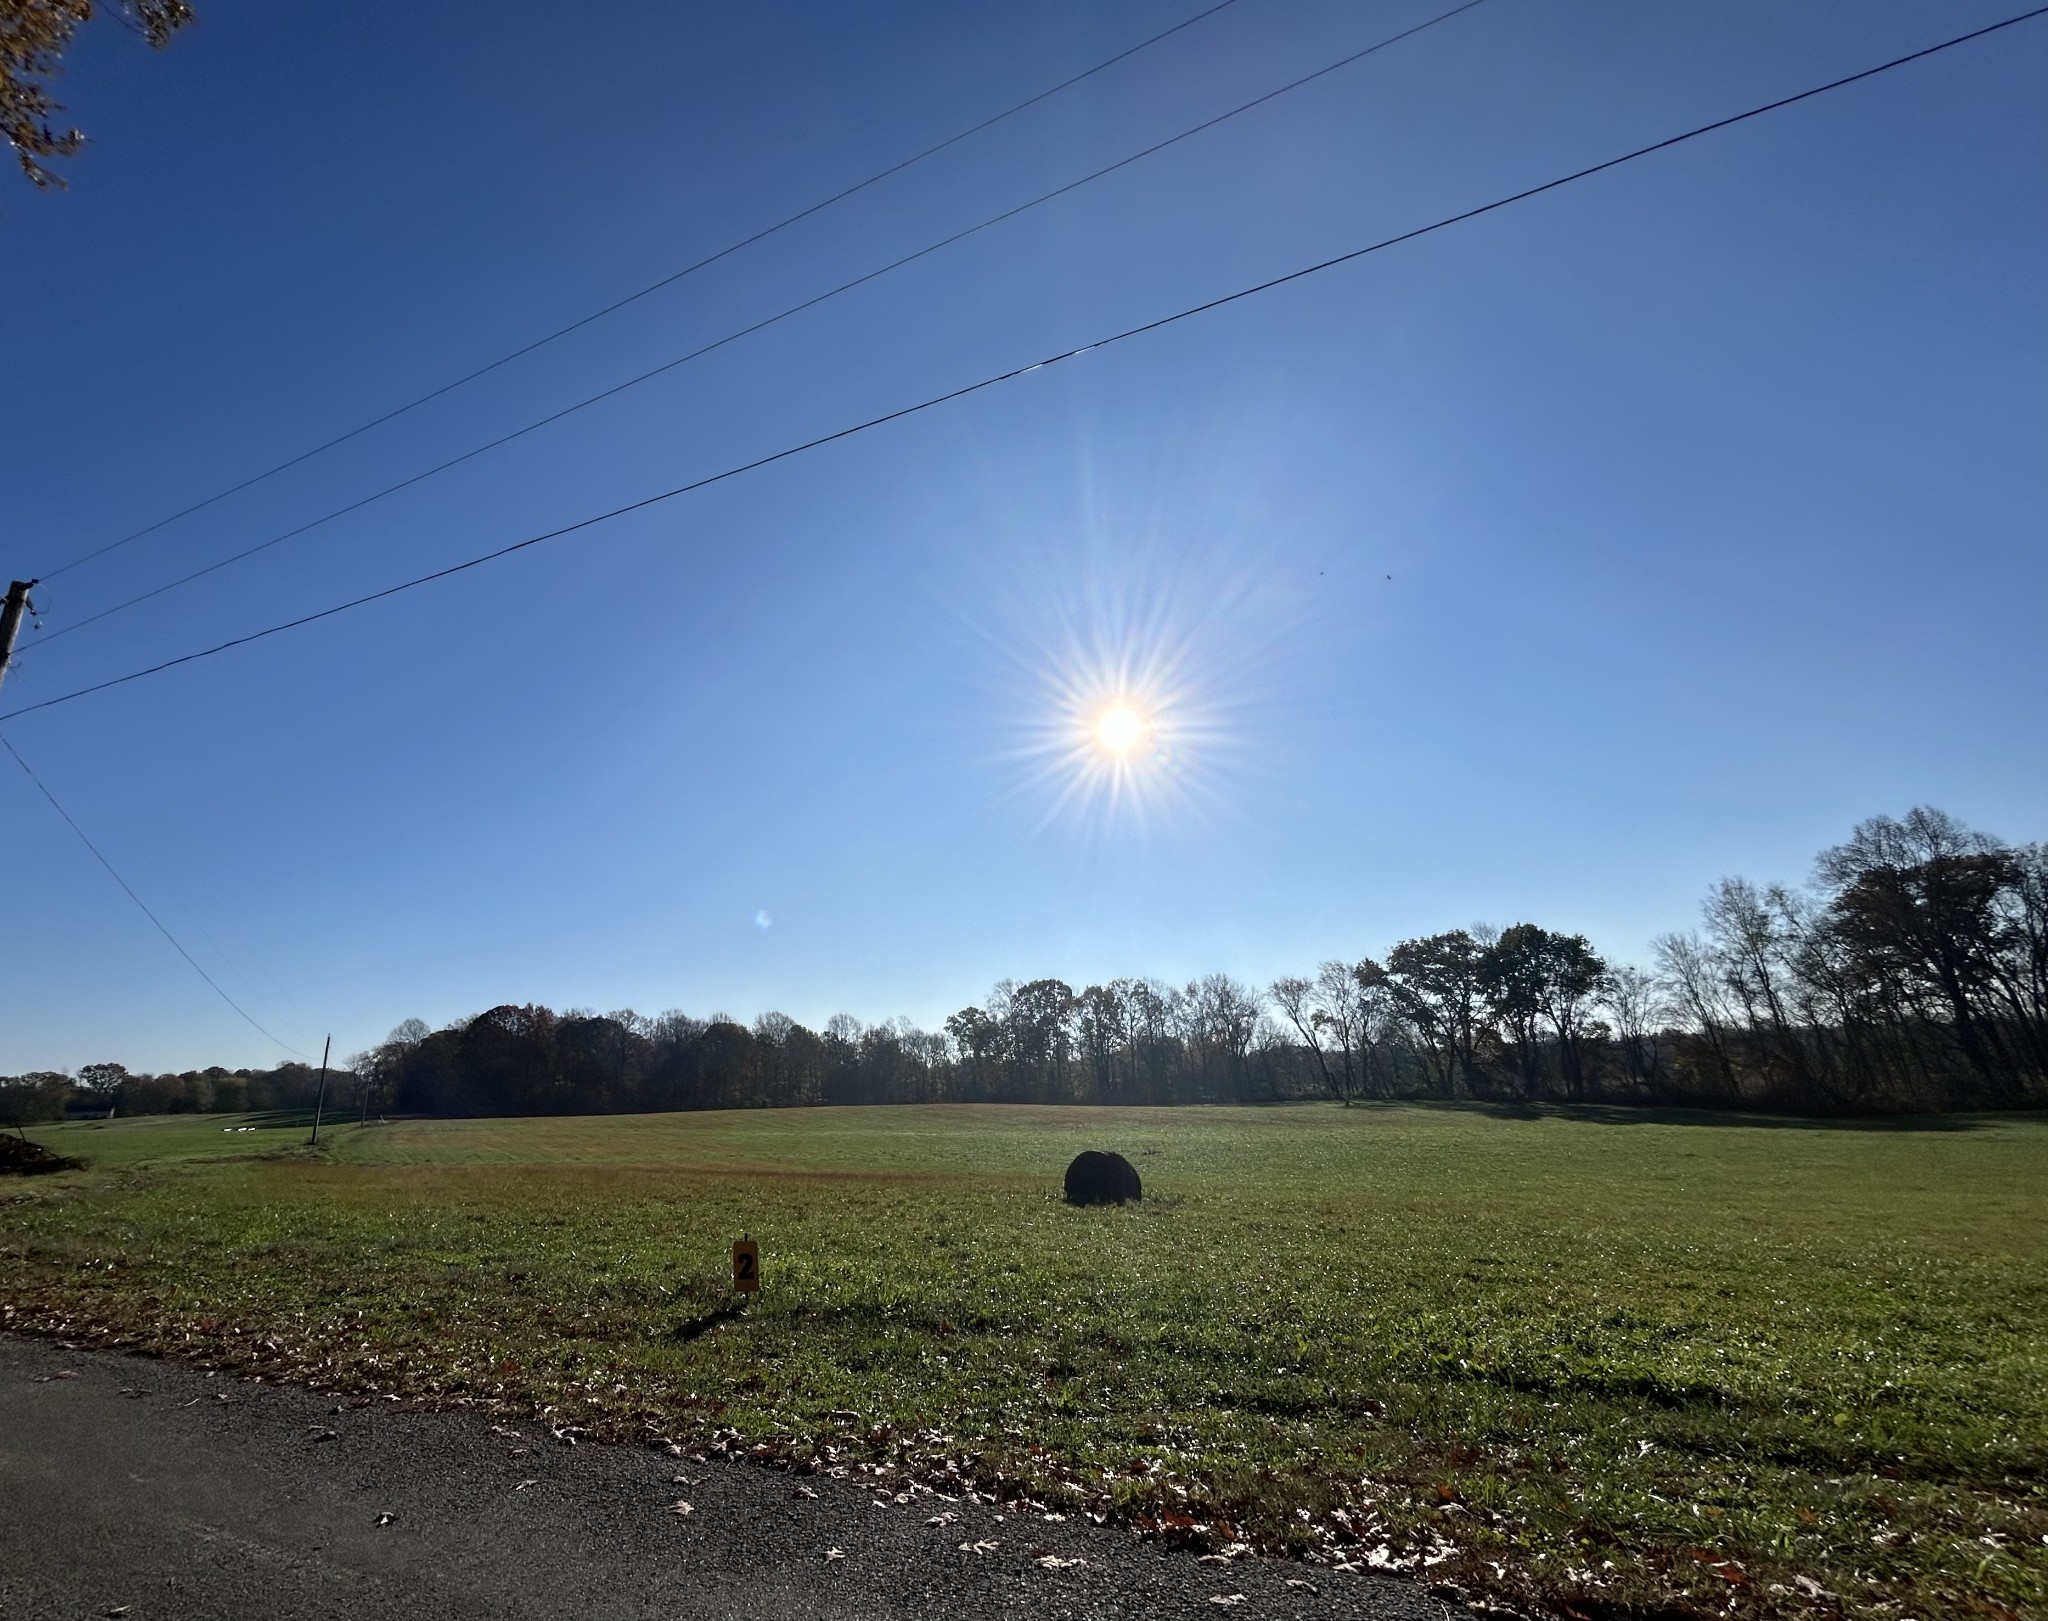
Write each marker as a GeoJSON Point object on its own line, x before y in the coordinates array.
{"type": "Point", "coordinates": [10, 620]}
{"type": "Point", "coordinates": [320, 1098]}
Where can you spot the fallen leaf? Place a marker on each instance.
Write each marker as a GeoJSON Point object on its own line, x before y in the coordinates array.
{"type": "Point", "coordinates": [943, 1517]}
{"type": "Point", "coordinates": [834, 1553]}
{"type": "Point", "coordinates": [524, 1484]}
{"type": "Point", "coordinates": [982, 1547]}
{"type": "Point", "coordinates": [385, 1519]}
{"type": "Point", "coordinates": [1729, 1571]}
{"type": "Point", "coordinates": [806, 1492]}
{"type": "Point", "coordinates": [118, 1609]}
{"type": "Point", "coordinates": [1306, 1587]}
{"type": "Point", "coordinates": [66, 1373]}
{"type": "Point", "coordinates": [1053, 1561]}
{"type": "Point", "coordinates": [1226, 1599]}
{"type": "Point", "coordinates": [682, 1508]}
{"type": "Point", "coordinates": [320, 1435]}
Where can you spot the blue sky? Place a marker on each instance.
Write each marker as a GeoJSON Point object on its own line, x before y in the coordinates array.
{"type": "Point", "coordinates": [1711, 491]}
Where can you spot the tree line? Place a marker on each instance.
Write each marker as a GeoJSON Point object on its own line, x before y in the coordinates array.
{"type": "Point", "coordinates": [109, 1089]}
{"type": "Point", "coordinates": [1910, 974]}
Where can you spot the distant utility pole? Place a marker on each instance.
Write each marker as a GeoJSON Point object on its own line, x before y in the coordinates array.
{"type": "Point", "coordinates": [320, 1098]}
{"type": "Point", "coordinates": [10, 620]}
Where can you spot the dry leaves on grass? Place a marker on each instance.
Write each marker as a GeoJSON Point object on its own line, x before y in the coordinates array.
{"type": "Point", "coordinates": [982, 1547]}
{"type": "Point", "coordinates": [683, 1510]}
{"type": "Point", "coordinates": [806, 1493]}
{"type": "Point", "coordinates": [1722, 1566]}
{"type": "Point", "coordinates": [1052, 1561]}
{"type": "Point", "coordinates": [1226, 1600]}
{"type": "Point", "coordinates": [834, 1553]}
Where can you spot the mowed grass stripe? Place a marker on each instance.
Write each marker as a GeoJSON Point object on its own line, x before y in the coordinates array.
{"type": "Point", "coordinates": [1604, 1356]}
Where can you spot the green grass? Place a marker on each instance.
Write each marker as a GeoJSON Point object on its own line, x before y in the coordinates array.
{"type": "Point", "coordinates": [1612, 1364]}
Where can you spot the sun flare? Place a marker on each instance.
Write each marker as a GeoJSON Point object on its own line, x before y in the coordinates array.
{"type": "Point", "coordinates": [1125, 730]}
{"type": "Point", "coordinates": [1119, 729]}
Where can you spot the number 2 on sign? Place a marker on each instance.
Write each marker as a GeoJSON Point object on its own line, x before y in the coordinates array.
{"type": "Point", "coordinates": [746, 1266]}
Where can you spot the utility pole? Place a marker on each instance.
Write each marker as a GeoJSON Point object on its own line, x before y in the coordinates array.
{"type": "Point", "coordinates": [320, 1098]}
{"type": "Point", "coordinates": [10, 620]}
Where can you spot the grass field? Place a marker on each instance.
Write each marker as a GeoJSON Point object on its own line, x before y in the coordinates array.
{"type": "Point", "coordinates": [1609, 1365]}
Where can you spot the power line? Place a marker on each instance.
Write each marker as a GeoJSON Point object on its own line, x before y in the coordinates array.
{"type": "Point", "coordinates": [139, 901]}
{"type": "Point", "coordinates": [1039, 365]}
{"type": "Point", "coordinates": [652, 287]}
{"type": "Point", "coordinates": [757, 326]}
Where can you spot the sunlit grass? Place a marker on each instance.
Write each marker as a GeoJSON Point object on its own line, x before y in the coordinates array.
{"type": "Point", "coordinates": [1687, 1358]}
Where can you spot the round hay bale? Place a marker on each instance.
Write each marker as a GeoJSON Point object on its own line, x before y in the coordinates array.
{"type": "Point", "coordinates": [1101, 1178]}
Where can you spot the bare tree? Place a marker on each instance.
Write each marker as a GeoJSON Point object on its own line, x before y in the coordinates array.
{"type": "Point", "coordinates": [1635, 1000]}
{"type": "Point", "coordinates": [1295, 998]}
{"type": "Point", "coordinates": [1099, 1021]}
{"type": "Point", "coordinates": [1692, 984]}
{"type": "Point", "coordinates": [1221, 1018]}
{"type": "Point", "coordinates": [1148, 1029]}
{"type": "Point", "coordinates": [1340, 1016]}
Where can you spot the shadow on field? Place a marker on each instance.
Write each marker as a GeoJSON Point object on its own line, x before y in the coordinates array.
{"type": "Point", "coordinates": [702, 1324]}
{"type": "Point", "coordinates": [1626, 1114]}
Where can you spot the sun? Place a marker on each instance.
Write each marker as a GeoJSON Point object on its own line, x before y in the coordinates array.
{"type": "Point", "coordinates": [1119, 728]}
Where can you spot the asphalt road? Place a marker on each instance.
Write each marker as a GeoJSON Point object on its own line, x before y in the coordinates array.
{"type": "Point", "coordinates": [147, 1489]}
